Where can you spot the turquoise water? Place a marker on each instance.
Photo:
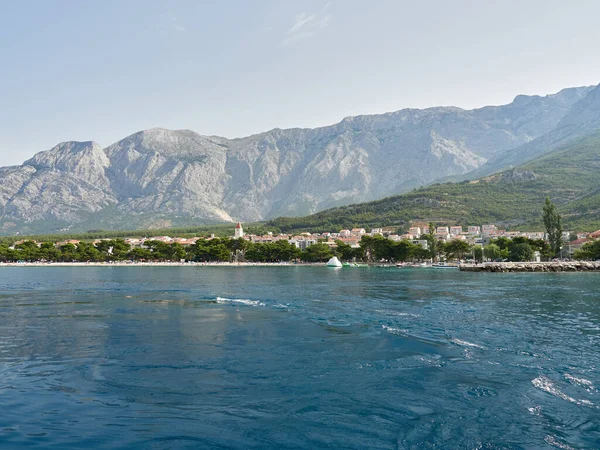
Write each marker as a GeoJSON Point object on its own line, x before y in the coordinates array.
{"type": "Point", "coordinates": [298, 357]}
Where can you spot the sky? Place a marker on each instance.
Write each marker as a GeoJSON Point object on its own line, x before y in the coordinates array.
{"type": "Point", "coordinates": [102, 70]}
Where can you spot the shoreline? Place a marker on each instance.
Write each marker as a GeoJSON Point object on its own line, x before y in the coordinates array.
{"type": "Point", "coordinates": [158, 264]}
{"type": "Point", "coordinates": [537, 267]}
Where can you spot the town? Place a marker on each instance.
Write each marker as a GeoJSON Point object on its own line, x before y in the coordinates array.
{"type": "Point", "coordinates": [421, 242]}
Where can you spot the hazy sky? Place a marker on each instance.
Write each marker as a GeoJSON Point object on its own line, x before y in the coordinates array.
{"type": "Point", "coordinates": [101, 70]}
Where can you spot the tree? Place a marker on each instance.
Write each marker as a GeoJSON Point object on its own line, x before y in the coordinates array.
{"type": "Point", "coordinates": [68, 253]}
{"type": "Point", "coordinates": [493, 252]}
{"type": "Point", "coordinates": [455, 249]}
{"type": "Point", "coordinates": [140, 254]}
{"type": "Point", "coordinates": [478, 253]}
{"type": "Point", "coordinates": [317, 252]}
{"type": "Point", "coordinates": [521, 253]}
{"type": "Point", "coordinates": [553, 224]}
{"type": "Point", "coordinates": [27, 251]}
{"type": "Point", "coordinates": [49, 252]}
{"type": "Point", "coordinates": [404, 250]}
{"type": "Point", "coordinates": [589, 251]}
{"type": "Point", "coordinates": [432, 241]}
{"type": "Point", "coordinates": [87, 252]}
{"type": "Point", "coordinates": [344, 251]}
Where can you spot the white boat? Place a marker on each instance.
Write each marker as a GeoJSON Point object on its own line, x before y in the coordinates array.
{"type": "Point", "coordinates": [334, 262]}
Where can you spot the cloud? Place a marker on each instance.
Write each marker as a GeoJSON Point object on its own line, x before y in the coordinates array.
{"type": "Point", "coordinates": [306, 26]}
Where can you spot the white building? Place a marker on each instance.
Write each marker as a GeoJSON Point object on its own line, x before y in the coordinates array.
{"type": "Point", "coordinates": [415, 231]}
{"type": "Point", "coordinates": [488, 229]}
{"type": "Point", "coordinates": [239, 231]}
{"type": "Point", "coordinates": [456, 230]}
{"type": "Point", "coordinates": [474, 230]}
{"type": "Point", "coordinates": [303, 243]}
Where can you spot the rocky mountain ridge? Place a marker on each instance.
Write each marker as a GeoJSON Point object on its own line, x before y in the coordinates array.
{"type": "Point", "coordinates": [163, 178]}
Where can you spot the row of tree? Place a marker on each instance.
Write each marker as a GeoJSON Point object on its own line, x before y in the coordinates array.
{"type": "Point", "coordinates": [372, 248]}
{"type": "Point", "coordinates": [211, 250]}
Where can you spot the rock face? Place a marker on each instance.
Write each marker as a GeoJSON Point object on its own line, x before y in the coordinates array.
{"type": "Point", "coordinates": [582, 119]}
{"type": "Point", "coordinates": [160, 177]}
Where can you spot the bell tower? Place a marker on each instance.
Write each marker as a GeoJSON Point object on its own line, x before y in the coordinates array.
{"type": "Point", "coordinates": [239, 231]}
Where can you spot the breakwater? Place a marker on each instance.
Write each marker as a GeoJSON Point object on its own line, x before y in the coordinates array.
{"type": "Point", "coordinates": [555, 266]}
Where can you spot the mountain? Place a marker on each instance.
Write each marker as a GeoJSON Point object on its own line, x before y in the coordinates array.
{"type": "Point", "coordinates": [515, 197]}
{"type": "Point", "coordinates": [159, 178]}
{"type": "Point", "coordinates": [582, 119]}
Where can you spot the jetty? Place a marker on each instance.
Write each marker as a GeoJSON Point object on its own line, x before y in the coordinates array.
{"type": "Point", "coordinates": [553, 266]}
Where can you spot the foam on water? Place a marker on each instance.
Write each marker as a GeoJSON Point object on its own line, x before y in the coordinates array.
{"type": "Point", "coordinates": [393, 330]}
{"type": "Point", "coordinates": [546, 385]}
{"type": "Point", "coordinates": [466, 343]}
{"type": "Point", "coordinates": [243, 301]}
{"type": "Point", "coordinates": [579, 381]}
{"type": "Point", "coordinates": [551, 440]}
{"type": "Point", "coordinates": [396, 313]}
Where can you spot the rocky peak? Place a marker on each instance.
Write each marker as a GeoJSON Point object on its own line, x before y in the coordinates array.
{"type": "Point", "coordinates": [168, 143]}
{"type": "Point", "coordinates": [65, 155]}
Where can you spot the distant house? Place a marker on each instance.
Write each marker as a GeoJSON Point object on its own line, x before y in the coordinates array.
{"type": "Point", "coordinates": [303, 243]}
{"type": "Point", "coordinates": [474, 230]}
{"type": "Point", "coordinates": [68, 241]}
{"type": "Point", "coordinates": [536, 235]}
{"type": "Point", "coordinates": [571, 247]}
{"type": "Point", "coordinates": [488, 229]}
{"type": "Point", "coordinates": [422, 242]}
{"type": "Point", "coordinates": [185, 242]}
{"type": "Point", "coordinates": [415, 231]}
{"type": "Point", "coordinates": [359, 231]}
{"type": "Point", "coordinates": [456, 230]}
{"type": "Point", "coordinates": [594, 235]}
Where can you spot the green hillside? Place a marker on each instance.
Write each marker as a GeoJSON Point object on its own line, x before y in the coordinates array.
{"type": "Point", "coordinates": [514, 198]}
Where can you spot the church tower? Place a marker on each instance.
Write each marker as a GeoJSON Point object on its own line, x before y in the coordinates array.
{"type": "Point", "coordinates": [239, 231]}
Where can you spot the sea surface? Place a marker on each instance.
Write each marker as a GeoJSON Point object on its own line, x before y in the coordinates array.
{"type": "Point", "coordinates": [298, 357]}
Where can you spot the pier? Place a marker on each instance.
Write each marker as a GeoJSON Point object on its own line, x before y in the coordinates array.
{"type": "Point", "coordinates": [554, 266]}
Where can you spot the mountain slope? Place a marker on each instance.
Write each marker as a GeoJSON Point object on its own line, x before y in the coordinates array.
{"type": "Point", "coordinates": [569, 175]}
{"type": "Point", "coordinates": [582, 119]}
{"type": "Point", "coordinates": [161, 178]}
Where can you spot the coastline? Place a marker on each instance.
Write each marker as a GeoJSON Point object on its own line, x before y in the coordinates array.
{"type": "Point", "coordinates": [157, 264]}
{"type": "Point", "coordinates": [537, 267]}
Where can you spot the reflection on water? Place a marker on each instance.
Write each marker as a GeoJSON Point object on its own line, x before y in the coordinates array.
{"type": "Point", "coordinates": [291, 357]}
